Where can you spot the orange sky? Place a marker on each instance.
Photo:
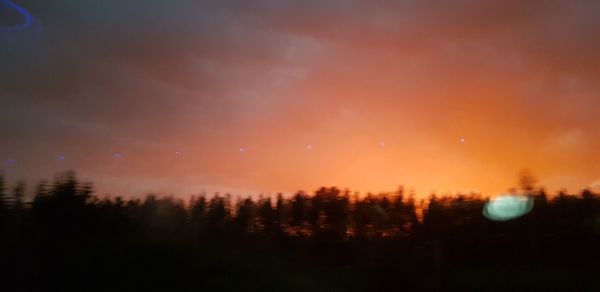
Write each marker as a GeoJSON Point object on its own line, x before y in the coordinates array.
{"type": "Point", "coordinates": [518, 81]}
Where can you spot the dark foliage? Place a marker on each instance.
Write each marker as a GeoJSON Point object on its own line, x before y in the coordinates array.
{"type": "Point", "coordinates": [66, 239]}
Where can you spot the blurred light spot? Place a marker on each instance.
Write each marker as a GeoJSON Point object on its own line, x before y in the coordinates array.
{"type": "Point", "coordinates": [118, 155]}
{"type": "Point", "coordinates": [242, 149]}
{"type": "Point", "coordinates": [8, 164]}
{"type": "Point", "coordinates": [28, 20]}
{"type": "Point", "coordinates": [507, 207]}
{"type": "Point", "coordinates": [462, 140]}
{"type": "Point", "coordinates": [309, 147]}
{"type": "Point", "coordinates": [61, 157]}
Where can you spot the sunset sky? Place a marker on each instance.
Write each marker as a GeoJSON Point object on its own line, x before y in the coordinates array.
{"type": "Point", "coordinates": [267, 96]}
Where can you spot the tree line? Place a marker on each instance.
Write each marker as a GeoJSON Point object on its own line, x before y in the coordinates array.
{"type": "Point", "coordinates": [375, 235]}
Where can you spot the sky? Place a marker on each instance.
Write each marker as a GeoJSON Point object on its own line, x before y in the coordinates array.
{"type": "Point", "coordinates": [185, 96]}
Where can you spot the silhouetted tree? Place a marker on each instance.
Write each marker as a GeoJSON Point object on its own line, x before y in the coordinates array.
{"type": "Point", "coordinates": [300, 205]}
{"type": "Point", "coordinates": [267, 216]}
{"type": "Point", "coordinates": [244, 220]}
{"type": "Point", "coordinates": [3, 196]}
{"type": "Point", "coordinates": [527, 181]}
{"type": "Point", "coordinates": [18, 195]}
{"type": "Point", "coordinates": [329, 213]}
{"type": "Point", "coordinates": [280, 214]}
{"type": "Point", "coordinates": [63, 209]}
{"type": "Point", "coordinates": [217, 214]}
{"type": "Point", "coordinates": [360, 218]}
{"type": "Point", "coordinates": [198, 210]}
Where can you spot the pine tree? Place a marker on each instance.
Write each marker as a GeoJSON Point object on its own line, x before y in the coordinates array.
{"type": "Point", "coordinates": [3, 199]}
{"type": "Point", "coordinates": [18, 195]}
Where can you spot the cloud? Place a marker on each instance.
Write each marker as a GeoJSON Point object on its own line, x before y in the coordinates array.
{"type": "Point", "coordinates": [177, 74]}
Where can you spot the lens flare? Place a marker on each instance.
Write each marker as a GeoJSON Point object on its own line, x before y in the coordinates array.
{"type": "Point", "coordinates": [507, 207]}
{"type": "Point", "coordinates": [28, 19]}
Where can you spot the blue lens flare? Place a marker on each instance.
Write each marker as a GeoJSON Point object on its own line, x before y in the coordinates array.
{"type": "Point", "coordinates": [507, 207]}
{"type": "Point", "coordinates": [28, 19]}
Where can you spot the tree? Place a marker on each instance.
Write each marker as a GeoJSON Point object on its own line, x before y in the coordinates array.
{"type": "Point", "coordinates": [18, 195]}
{"type": "Point", "coordinates": [3, 199]}
{"type": "Point", "coordinates": [217, 213]}
{"type": "Point", "coordinates": [41, 195]}
{"type": "Point", "coordinates": [299, 213]}
{"type": "Point", "coordinates": [527, 181]}
{"type": "Point", "coordinates": [198, 208]}
{"type": "Point", "coordinates": [267, 216]}
{"type": "Point", "coordinates": [244, 219]}
{"type": "Point", "coordinates": [329, 213]}
{"type": "Point", "coordinates": [63, 208]}
{"type": "Point", "coordinates": [280, 213]}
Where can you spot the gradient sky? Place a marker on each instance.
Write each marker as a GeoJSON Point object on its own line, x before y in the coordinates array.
{"type": "Point", "coordinates": [519, 80]}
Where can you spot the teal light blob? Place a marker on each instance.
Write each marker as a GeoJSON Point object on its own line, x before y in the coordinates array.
{"type": "Point", "coordinates": [507, 207]}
